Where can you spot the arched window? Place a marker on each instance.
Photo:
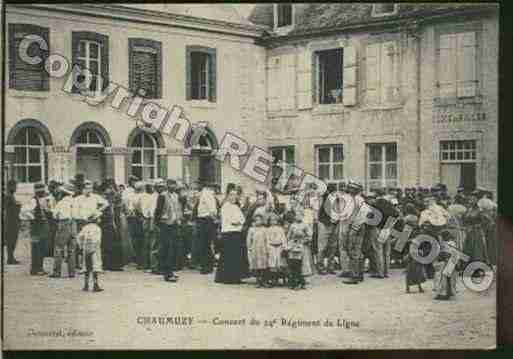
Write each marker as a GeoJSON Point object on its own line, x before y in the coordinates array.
{"type": "Point", "coordinates": [29, 163]}
{"type": "Point", "coordinates": [144, 157]}
{"type": "Point", "coordinates": [89, 138]}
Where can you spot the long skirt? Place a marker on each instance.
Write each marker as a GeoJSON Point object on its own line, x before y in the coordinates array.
{"type": "Point", "coordinates": [112, 248]}
{"type": "Point", "coordinates": [230, 266]}
{"type": "Point", "coordinates": [415, 272]}
{"type": "Point", "coordinates": [442, 284]}
{"type": "Point", "coordinates": [307, 267]}
{"type": "Point", "coordinates": [475, 244]}
{"type": "Point", "coordinates": [126, 242]}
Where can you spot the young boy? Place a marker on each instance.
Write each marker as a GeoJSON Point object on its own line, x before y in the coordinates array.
{"type": "Point", "coordinates": [90, 239]}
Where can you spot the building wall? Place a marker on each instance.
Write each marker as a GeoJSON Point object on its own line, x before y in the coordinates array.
{"type": "Point", "coordinates": [240, 71]}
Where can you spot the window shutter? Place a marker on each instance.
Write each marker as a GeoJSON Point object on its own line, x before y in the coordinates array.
{"type": "Point", "coordinates": [145, 66]}
{"type": "Point", "coordinates": [212, 75]}
{"type": "Point", "coordinates": [23, 76]}
{"type": "Point", "coordinates": [162, 166]}
{"type": "Point", "coordinates": [75, 38]}
{"type": "Point", "coordinates": [372, 73]}
{"type": "Point", "coordinates": [188, 81]}
{"type": "Point", "coordinates": [287, 82]}
{"type": "Point", "coordinates": [105, 60]}
{"type": "Point", "coordinates": [158, 46]}
{"type": "Point", "coordinates": [128, 166]}
{"type": "Point", "coordinates": [272, 86]}
{"type": "Point", "coordinates": [447, 66]}
{"type": "Point", "coordinates": [467, 81]}
{"type": "Point", "coordinates": [304, 80]}
{"type": "Point", "coordinates": [388, 76]}
{"type": "Point", "coordinates": [349, 78]}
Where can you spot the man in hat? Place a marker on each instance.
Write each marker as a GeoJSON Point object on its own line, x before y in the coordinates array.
{"type": "Point", "coordinates": [37, 211]}
{"type": "Point", "coordinates": [356, 234]}
{"type": "Point", "coordinates": [135, 222]}
{"type": "Point", "coordinates": [168, 216]}
{"type": "Point", "coordinates": [207, 214]}
{"type": "Point", "coordinates": [65, 236]}
{"type": "Point", "coordinates": [327, 234]}
{"type": "Point", "coordinates": [11, 222]}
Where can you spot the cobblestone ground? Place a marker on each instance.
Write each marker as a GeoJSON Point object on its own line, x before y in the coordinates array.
{"type": "Point", "coordinates": [379, 313]}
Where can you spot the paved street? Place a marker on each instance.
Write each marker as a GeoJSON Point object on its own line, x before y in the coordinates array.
{"type": "Point", "coordinates": [42, 313]}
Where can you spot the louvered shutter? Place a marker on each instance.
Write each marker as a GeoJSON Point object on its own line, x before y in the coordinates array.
{"type": "Point", "coordinates": [24, 76]}
{"type": "Point", "coordinates": [287, 82]}
{"type": "Point", "coordinates": [467, 82]}
{"type": "Point", "coordinates": [350, 65]}
{"type": "Point", "coordinates": [162, 165]}
{"type": "Point", "coordinates": [273, 86]}
{"type": "Point", "coordinates": [388, 73]}
{"type": "Point", "coordinates": [372, 73]}
{"type": "Point", "coordinates": [304, 80]}
{"type": "Point", "coordinates": [447, 70]}
{"type": "Point", "coordinates": [212, 75]}
{"type": "Point", "coordinates": [188, 80]}
{"type": "Point", "coordinates": [104, 41]}
{"type": "Point", "coordinates": [145, 67]}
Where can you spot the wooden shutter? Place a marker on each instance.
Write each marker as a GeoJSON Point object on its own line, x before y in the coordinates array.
{"type": "Point", "coordinates": [23, 76]}
{"type": "Point", "coordinates": [372, 73]}
{"type": "Point", "coordinates": [273, 87]}
{"type": "Point", "coordinates": [145, 63]}
{"type": "Point", "coordinates": [161, 166]}
{"type": "Point", "coordinates": [467, 81]}
{"type": "Point", "coordinates": [387, 71]}
{"type": "Point", "coordinates": [104, 41]}
{"type": "Point", "coordinates": [350, 65]}
{"type": "Point", "coordinates": [287, 82]}
{"type": "Point", "coordinates": [212, 75]}
{"type": "Point", "coordinates": [447, 66]}
{"type": "Point", "coordinates": [304, 80]}
{"type": "Point", "coordinates": [188, 80]}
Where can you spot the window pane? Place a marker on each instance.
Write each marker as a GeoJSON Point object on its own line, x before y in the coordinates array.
{"type": "Point", "coordinates": [338, 155]}
{"type": "Point", "coordinates": [20, 155]}
{"type": "Point", "coordinates": [444, 146]}
{"type": "Point", "coordinates": [136, 157]}
{"type": "Point", "coordinates": [34, 174]}
{"type": "Point", "coordinates": [81, 63]}
{"type": "Point", "coordinates": [375, 153]}
{"type": "Point", "coordinates": [459, 155]}
{"type": "Point", "coordinates": [82, 48]}
{"type": "Point", "coordinates": [338, 172]}
{"type": "Point", "coordinates": [148, 173]}
{"type": "Point", "coordinates": [445, 156]}
{"type": "Point", "coordinates": [324, 154]}
{"type": "Point", "coordinates": [375, 171]}
{"type": "Point", "coordinates": [391, 171]}
{"type": "Point", "coordinates": [391, 152]}
{"type": "Point", "coordinates": [82, 138]}
{"type": "Point", "coordinates": [21, 173]}
{"type": "Point", "coordinates": [277, 154]}
{"type": "Point", "coordinates": [473, 155]}
{"type": "Point", "coordinates": [289, 155]}
{"type": "Point", "coordinates": [93, 67]}
{"type": "Point", "coordinates": [147, 141]}
{"type": "Point", "coordinates": [467, 155]}
{"type": "Point", "coordinates": [93, 50]}
{"type": "Point", "coordinates": [137, 141]}
{"type": "Point", "coordinates": [34, 138]}
{"type": "Point", "coordinates": [452, 155]}
{"type": "Point", "coordinates": [452, 145]}
{"type": "Point", "coordinates": [324, 172]}
{"type": "Point", "coordinates": [137, 171]}
{"type": "Point", "coordinates": [149, 157]}
{"type": "Point", "coordinates": [34, 155]}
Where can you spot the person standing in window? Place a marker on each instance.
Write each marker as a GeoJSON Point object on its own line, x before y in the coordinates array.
{"type": "Point", "coordinates": [37, 211]}
{"type": "Point", "coordinates": [11, 221]}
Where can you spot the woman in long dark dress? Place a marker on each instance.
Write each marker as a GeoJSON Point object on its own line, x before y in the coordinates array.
{"type": "Point", "coordinates": [111, 235]}
{"type": "Point", "coordinates": [475, 242]}
{"type": "Point", "coordinates": [230, 265]}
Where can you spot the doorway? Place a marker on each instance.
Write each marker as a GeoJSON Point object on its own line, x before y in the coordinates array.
{"type": "Point", "coordinates": [90, 158]}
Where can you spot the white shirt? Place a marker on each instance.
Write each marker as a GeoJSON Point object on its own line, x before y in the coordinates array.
{"type": "Point", "coordinates": [86, 206]}
{"type": "Point", "coordinates": [231, 213]}
{"type": "Point", "coordinates": [27, 210]}
{"type": "Point", "coordinates": [207, 205]}
{"type": "Point", "coordinates": [131, 202]}
{"type": "Point", "coordinates": [65, 208]}
{"type": "Point", "coordinates": [148, 203]}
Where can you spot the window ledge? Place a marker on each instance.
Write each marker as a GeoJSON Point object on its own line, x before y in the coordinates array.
{"type": "Point", "coordinates": [454, 101]}
{"type": "Point", "coordinates": [282, 114]}
{"type": "Point", "coordinates": [384, 107]}
{"type": "Point", "coordinates": [201, 104]}
{"type": "Point", "coordinates": [321, 109]}
{"type": "Point", "coordinates": [29, 94]}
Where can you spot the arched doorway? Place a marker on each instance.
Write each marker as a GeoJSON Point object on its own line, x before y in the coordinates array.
{"type": "Point", "coordinates": [202, 165]}
{"type": "Point", "coordinates": [89, 141]}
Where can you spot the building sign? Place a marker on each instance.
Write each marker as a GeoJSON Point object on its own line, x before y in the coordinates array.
{"type": "Point", "coordinates": [454, 116]}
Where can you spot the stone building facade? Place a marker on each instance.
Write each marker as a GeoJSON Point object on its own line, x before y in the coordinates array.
{"type": "Point", "coordinates": [388, 94]}
{"type": "Point", "coordinates": [415, 103]}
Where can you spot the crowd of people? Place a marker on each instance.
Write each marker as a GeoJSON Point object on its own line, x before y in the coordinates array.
{"type": "Point", "coordinates": [279, 238]}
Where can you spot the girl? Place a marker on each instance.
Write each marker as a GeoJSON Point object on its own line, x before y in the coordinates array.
{"type": "Point", "coordinates": [257, 249]}
{"type": "Point", "coordinates": [300, 255]}
{"type": "Point", "coordinates": [276, 245]}
{"type": "Point", "coordinates": [415, 272]}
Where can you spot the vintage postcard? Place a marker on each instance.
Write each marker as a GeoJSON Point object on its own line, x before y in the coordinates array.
{"type": "Point", "coordinates": [250, 176]}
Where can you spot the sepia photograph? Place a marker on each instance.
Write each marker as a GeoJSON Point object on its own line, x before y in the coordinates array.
{"type": "Point", "coordinates": [250, 176]}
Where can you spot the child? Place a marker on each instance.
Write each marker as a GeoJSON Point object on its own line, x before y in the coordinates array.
{"type": "Point", "coordinates": [276, 245]}
{"type": "Point", "coordinates": [90, 239]}
{"type": "Point", "coordinates": [257, 249]}
{"type": "Point", "coordinates": [300, 256]}
{"type": "Point", "coordinates": [415, 272]}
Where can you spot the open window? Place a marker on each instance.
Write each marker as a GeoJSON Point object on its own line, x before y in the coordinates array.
{"type": "Point", "coordinates": [330, 75]}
